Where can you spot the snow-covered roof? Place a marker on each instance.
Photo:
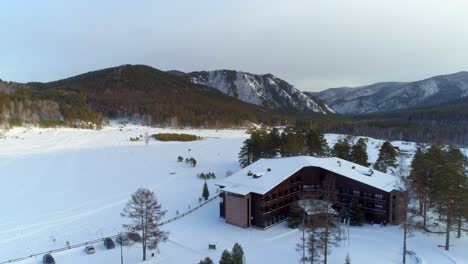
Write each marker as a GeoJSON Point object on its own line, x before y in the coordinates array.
{"type": "Point", "coordinates": [267, 173]}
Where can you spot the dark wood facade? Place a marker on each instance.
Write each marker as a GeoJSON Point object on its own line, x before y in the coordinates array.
{"type": "Point", "coordinates": [266, 210]}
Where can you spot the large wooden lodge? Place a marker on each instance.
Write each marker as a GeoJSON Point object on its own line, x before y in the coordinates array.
{"type": "Point", "coordinates": [260, 194]}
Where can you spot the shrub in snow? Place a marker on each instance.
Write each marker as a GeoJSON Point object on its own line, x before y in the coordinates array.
{"type": "Point", "coordinates": [191, 161]}
{"type": "Point", "coordinates": [180, 159]}
{"type": "Point", "coordinates": [206, 176]}
{"type": "Point", "coordinates": [175, 137]}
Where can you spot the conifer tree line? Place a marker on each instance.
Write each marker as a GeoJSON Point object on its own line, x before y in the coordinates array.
{"type": "Point", "coordinates": [439, 180]}
{"type": "Point", "coordinates": [270, 143]}
{"type": "Point", "coordinates": [293, 141]}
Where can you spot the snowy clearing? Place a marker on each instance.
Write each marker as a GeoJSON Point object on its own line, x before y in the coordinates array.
{"type": "Point", "coordinates": [60, 185]}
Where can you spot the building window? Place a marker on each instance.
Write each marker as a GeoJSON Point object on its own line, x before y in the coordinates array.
{"type": "Point", "coordinates": [357, 193]}
{"type": "Point", "coordinates": [379, 206]}
{"type": "Point", "coordinates": [308, 187]}
{"type": "Point", "coordinates": [378, 196]}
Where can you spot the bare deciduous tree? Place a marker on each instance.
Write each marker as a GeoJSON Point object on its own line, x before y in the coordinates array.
{"type": "Point", "coordinates": [147, 138]}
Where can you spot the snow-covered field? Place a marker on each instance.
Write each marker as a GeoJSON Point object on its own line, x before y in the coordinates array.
{"type": "Point", "coordinates": [59, 185]}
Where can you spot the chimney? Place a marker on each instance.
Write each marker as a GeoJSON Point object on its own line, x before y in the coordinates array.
{"type": "Point", "coordinates": [339, 163]}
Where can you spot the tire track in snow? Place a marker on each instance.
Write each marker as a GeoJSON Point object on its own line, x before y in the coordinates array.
{"type": "Point", "coordinates": [50, 224]}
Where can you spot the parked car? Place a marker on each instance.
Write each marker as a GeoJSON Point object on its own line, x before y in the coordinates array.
{"type": "Point", "coordinates": [48, 259]}
{"type": "Point", "coordinates": [109, 243]}
{"type": "Point", "coordinates": [123, 240]}
{"type": "Point", "coordinates": [90, 249]}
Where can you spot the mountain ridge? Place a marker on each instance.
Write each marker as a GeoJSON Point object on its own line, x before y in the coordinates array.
{"type": "Point", "coordinates": [264, 90]}
{"type": "Point", "coordinates": [389, 96]}
{"type": "Point", "coordinates": [137, 92]}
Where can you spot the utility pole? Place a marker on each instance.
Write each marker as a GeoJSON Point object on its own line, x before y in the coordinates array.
{"type": "Point", "coordinates": [349, 238]}
{"type": "Point", "coordinates": [405, 234]}
{"type": "Point", "coordinates": [121, 248]}
{"type": "Point", "coordinates": [449, 223]}
{"type": "Point", "coordinates": [303, 237]}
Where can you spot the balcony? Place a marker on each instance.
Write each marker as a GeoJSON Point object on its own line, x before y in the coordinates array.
{"type": "Point", "coordinates": [278, 198]}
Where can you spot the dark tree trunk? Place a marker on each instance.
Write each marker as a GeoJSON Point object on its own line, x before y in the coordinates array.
{"type": "Point", "coordinates": [405, 234]}
{"type": "Point", "coordinates": [459, 226]}
{"type": "Point", "coordinates": [303, 238]}
{"type": "Point", "coordinates": [425, 212]}
{"type": "Point", "coordinates": [421, 205]}
{"type": "Point", "coordinates": [303, 244]}
{"type": "Point", "coordinates": [312, 251]}
{"type": "Point", "coordinates": [143, 237]}
{"type": "Point", "coordinates": [449, 222]}
{"type": "Point", "coordinates": [325, 257]}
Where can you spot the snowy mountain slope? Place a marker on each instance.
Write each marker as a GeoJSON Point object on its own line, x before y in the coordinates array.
{"type": "Point", "coordinates": [389, 96]}
{"type": "Point", "coordinates": [265, 90]}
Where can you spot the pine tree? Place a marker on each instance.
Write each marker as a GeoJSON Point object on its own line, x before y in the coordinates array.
{"type": "Point", "coordinates": [359, 152]}
{"type": "Point", "coordinates": [296, 215]}
{"type": "Point", "coordinates": [206, 192]}
{"type": "Point", "coordinates": [226, 257]}
{"type": "Point", "coordinates": [246, 153]}
{"type": "Point", "coordinates": [207, 260]}
{"type": "Point", "coordinates": [254, 148]}
{"type": "Point", "coordinates": [316, 144]}
{"type": "Point", "coordinates": [146, 213]}
{"type": "Point", "coordinates": [387, 157]}
{"type": "Point", "coordinates": [238, 254]}
{"type": "Point", "coordinates": [273, 143]}
{"type": "Point", "coordinates": [420, 179]}
{"type": "Point", "coordinates": [292, 143]}
{"type": "Point", "coordinates": [458, 161]}
{"type": "Point", "coordinates": [439, 176]}
{"type": "Point", "coordinates": [347, 259]}
{"type": "Point", "coordinates": [356, 215]}
{"type": "Point", "coordinates": [342, 150]}
{"type": "Point", "coordinates": [451, 185]}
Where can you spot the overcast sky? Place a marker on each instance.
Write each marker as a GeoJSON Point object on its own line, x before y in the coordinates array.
{"type": "Point", "coordinates": [313, 44]}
